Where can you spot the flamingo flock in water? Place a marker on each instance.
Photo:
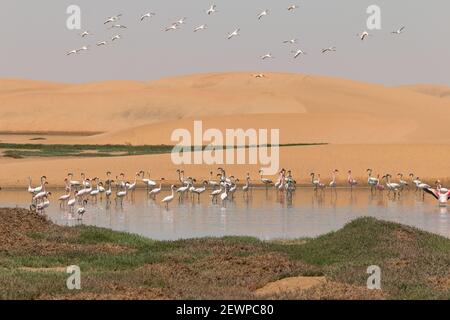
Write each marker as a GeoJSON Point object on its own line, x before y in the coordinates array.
{"type": "Point", "coordinates": [219, 187]}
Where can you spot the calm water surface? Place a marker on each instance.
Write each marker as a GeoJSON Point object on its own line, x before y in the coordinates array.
{"type": "Point", "coordinates": [264, 215]}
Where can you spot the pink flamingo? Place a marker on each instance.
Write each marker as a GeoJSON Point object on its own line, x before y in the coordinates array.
{"type": "Point", "coordinates": [352, 182]}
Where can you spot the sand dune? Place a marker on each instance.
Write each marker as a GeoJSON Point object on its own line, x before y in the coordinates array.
{"type": "Point", "coordinates": [431, 90]}
{"type": "Point", "coordinates": [306, 108]}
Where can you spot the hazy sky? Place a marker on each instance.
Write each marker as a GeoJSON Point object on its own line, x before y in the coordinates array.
{"type": "Point", "coordinates": [34, 39]}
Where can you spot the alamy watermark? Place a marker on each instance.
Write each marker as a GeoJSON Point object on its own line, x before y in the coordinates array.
{"type": "Point", "coordinates": [374, 19]}
{"type": "Point", "coordinates": [374, 280]}
{"type": "Point", "coordinates": [73, 22]}
{"type": "Point", "coordinates": [236, 146]}
{"type": "Point", "coordinates": [74, 280]}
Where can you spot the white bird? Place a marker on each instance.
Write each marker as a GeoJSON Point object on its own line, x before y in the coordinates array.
{"type": "Point", "coordinates": [71, 52]}
{"type": "Point", "coordinates": [202, 27]}
{"type": "Point", "coordinates": [102, 43]}
{"type": "Point", "coordinates": [37, 189]}
{"type": "Point", "coordinates": [259, 76]}
{"type": "Point", "coordinates": [118, 26]}
{"type": "Point", "coordinates": [80, 212]}
{"type": "Point", "coordinates": [156, 191]}
{"type": "Point", "coordinates": [263, 14]}
{"type": "Point", "coordinates": [211, 9]}
{"type": "Point", "coordinates": [112, 19]}
{"type": "Point", "coordinates": [399, 31]}
{"type": "Point", "coordinates": [234, 33]}
{"type": "Point", "coordinates": [169, 199]}
{"type": "Point", "coordinates": [363, 35]}
{"type": "Point", "coordinates": [72, 201]}
{"type": "Point", "coordinates": [41, 195]}
{"type": "Point", "coordinates": [83, 48]}
{"type": "Point", "coordinates": [265, 181]}
{"type": "Point", "coordinates": [172, 27]}
{"type": "Point", "coordinates": [43, 205]}
{"type": "Point", "coordinates": [181, 21]}
{"type": "Point", "coordinates": [65, 197]}
{"type": "Point", "coordinates": [330, 49]}
{"type": "Point", "coordinates": [215, 193]}
{"type": "Point", "coordinates": [85, 33]}
{"type": "Point", "coordinates": [267, 56]}
{"type": "Point", "coordinates": [298, 53]}
{"type": "Point", "coordinates": [292, 7]}
{"type": "Point", "coordinates": [291, 41]}
{"type": "Point", "coordinates": [116, 37]}
{"type": "Point", "coordinates": [147, 15]}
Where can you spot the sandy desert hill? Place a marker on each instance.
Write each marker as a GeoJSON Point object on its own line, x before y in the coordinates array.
{"type": "Point", "coordinates": [306, 108]}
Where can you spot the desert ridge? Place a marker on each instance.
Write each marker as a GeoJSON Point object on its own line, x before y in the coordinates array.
{"type": "Point", "coordinates": [308, 108]}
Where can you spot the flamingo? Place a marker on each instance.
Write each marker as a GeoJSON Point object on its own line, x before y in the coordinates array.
{"type": "Point", "coordinates": [364, 35]}
{"type": "Point", "coordinates": [37, 189]}
{"type": "Point", "coordinates": [263, 14]}
{"type": "Point", "coordinates": [147, 15]}
{"type": "Point", "coordinates": [41, 194]}
{"type": "Point", "coordinates": [371, 181]}
{"type": "Point", "coordinates": [259, 76]}
{"type": "Point", "coordinates": [182, 190]}
{"type": "Point", "coordinates": [234, 33]}
{"type": "Point", "coordinates": [121, 194]}
{"type": "Point", "coordinates": [64, 198]}
{"type": "Point", "coordinates": [169, 199]}
{"type": "Point", "coordinates": [352, 182]}
{"type": "Point", "coordinates": [200, 190]}
{"type": "Point", "coordinates": [442, 195]}
{"type": "Point", "coordinates": [224, 195]}
{"type": "Point", "coordinates": [40, 207]}
{"type": "Point", "coordinates": [265, 181]}
{"type": "Point", "coordinates": [246, 187]}
{"type": "Point", "coordinates": [333, 183]}
{"type": "Point", "coordinates": [329, 49]}
{"type": "Point", "coordinates": [291, 41]}
{"type": "Point", "coordinates": [81, 211]}
{"type": "Point", "coordinates": [215, 193]}
{"type": "Point", "coordinates": [73, 183]}
{"type": "Point", "coordinates": [298, 52]}
{"type": "Point", "coordinates": [173, 27]}
{"type": "Point", "coordinates": [399, 31]}
{"type": "Point", "coordinates": [202, 27]}
{"type": "Point", "coordinates": [112, 19]}
{"type": "Point", "coordinates": [116, 37]}
{"type": "Point", "coordinates": [156, 191]}
{"type": "Point", "coordinates": [72, 201]}
{"type": "Point", "coordinates": [118, 26]}
{"type": "Point", "coordinates": [391, 186]}
{"type": "Point", "coordinates": [212, 182]}
{"type": "Point", "coordinates": [267, 56]}
{"type": "Point", "coordinates": [85, 34]}
{"type": "Point", "coordinates": [211, 10]}
{"type": "Point", "coordinates": [402, 182]}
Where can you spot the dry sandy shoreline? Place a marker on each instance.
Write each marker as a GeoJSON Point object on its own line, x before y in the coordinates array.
{"type": "Point", "coordinates": [425, 161]}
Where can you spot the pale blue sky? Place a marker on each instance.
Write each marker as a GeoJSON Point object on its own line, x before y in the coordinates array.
{"type": "Point", "coordinates": [34, 40]}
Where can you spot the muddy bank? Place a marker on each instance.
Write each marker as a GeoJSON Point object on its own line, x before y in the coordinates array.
{"type": "Point", "coordinates": [34, 254]}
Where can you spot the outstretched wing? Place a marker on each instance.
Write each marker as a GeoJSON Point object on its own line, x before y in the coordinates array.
{"type": "Point", "coordinates": [432, 192]}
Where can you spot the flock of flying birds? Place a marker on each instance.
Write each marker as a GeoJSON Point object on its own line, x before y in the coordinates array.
{"type": "Point", "coordinates": [113, 23]}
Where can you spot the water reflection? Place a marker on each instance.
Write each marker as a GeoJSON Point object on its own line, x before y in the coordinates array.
{"type": "Point", "coordinates": [262, 214]}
